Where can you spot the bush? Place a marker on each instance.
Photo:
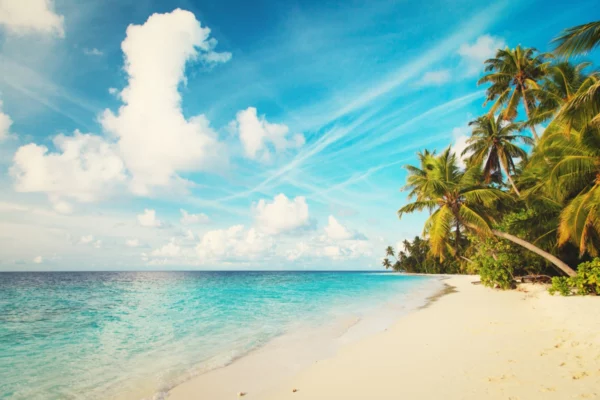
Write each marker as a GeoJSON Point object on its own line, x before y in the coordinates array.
{"type": "Point", "coordinates": [561, 285]}
{"type": "Point", "coordinates": [496, 273]}
{"type": "Point", "coordinates": [587, 280]}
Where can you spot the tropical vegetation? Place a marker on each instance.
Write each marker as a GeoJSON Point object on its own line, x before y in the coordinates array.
{"type": "Point", "coordinates": [527, 201]}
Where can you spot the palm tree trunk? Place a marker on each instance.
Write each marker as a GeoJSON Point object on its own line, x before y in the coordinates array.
{"type": "Point", "coordinates": [511, 180]}
{"type": "Point", "coordinates": [554, 260]}
{"type": "Point", "coordinates": [535, 135]}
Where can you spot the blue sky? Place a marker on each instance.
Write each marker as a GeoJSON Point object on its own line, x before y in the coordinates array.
{"type": "Point", "coordinates": [205, 135]}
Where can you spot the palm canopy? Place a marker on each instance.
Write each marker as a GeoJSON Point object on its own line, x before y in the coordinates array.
{"type": "Point", "coordinates": [456, 198]}
{"type": "Point", "coordinates": [492, 143]}
{"type": "Point", "coordinates": [511, 74]}
{"type": "Point", "coordinates": [571, 178]}
{"type": "Point", "coordinates": [578, 40]}
{"type": "Point", "coordinates": [563, 83]}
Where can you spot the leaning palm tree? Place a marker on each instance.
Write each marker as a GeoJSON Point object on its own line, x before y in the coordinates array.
{"type": "Point", "coordinates": [512, 74]}
{"type": "Point", "coordinates": [492, 144]}
{"type": "Point", "coordinates": [578, 40]}
{"type": "Point", "coordinates": [461, 203]}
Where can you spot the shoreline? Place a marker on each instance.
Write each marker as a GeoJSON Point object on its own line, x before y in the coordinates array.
{"type": "Point", "coordinates": [466, 342]}
{"type": "Point", "coordinates": [288, 354]}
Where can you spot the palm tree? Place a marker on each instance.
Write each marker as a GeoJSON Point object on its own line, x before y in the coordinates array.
{"type": "Point", "coordinates": [386, 263]}
{"type": "Point", "coordinates": [572, 179]}
{"type": "Point", "coordinates": [389, 252]}
{"type": "Point", "coordinates": [578, 40]}
{"type": "Point", "coordinates": [562, 84]}
{"type": "Point", "coordinates": [491, 144]}
{"type": "Point", "coordinates": [461, 203]}
{"type": "Point", "coordinates": [513, 73]}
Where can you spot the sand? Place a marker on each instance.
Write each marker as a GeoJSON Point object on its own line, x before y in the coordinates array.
{"type": "Point", "coordinates": [472, 343]}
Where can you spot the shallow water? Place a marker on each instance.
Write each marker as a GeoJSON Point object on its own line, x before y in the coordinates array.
{"type": "Point", "coordinates": [100, 335]}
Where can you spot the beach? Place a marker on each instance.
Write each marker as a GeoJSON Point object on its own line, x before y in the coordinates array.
{"type": "Point", "coordinates": [469, 342]}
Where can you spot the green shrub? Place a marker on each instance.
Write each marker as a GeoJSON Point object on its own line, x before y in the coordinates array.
{"type": "Point", "coordinates": [560, 284]}
{"type": "Point", "coordinates": [587, 280]}
{"type": "Point", "coordinates": [496, 273]}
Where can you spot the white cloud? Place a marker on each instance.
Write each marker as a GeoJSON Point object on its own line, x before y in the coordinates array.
{"type": "Point", "coordinates": [38, 260]}
{"type": "Point", "coordinates": [190, 219]}
{"type": "Point", "coordinates": [435, 78]}
{"type": "Point", "coordinates": [98, 244]}
{"type": "Point", "coordinates": [31, 16]}
{"type": "Point", "coordinates": [475, 54]}
{"type": "Point", "coordinates": [460, 135]}
{"type": "Point", "coordinates": [348, 250]}
{"type": "Point", "coordinates": [5, 124]}
{"type": "Point", "coordinates": [113, 91]}
{"type": "Point", "coordinates": [169, 250]}
{"type": "Point", "coordinates": [62, 207]}
{"type": "Point", "coordinates": [85, 168]}
{"type": "Point", "coordinates": [92, 52]}
{"type": "Point", "coordinates": [258, 135]}
{"type": "Point", "coordinates": [148, 219]}
{"type": "Point", "coordinates": [86, 239]}
{"type": "Point", "coordinates": [281, 215]}
{"type": "Point", "coordinates": [337, 231]}
{"type": "Point", "coordinates": [155, 139]}
{"type": "Point", "coordinates": [132, 242]}
{"type": "Point", "coordinates": [233, 243]}
{"type": "Point", "coordinates": [189, 235]}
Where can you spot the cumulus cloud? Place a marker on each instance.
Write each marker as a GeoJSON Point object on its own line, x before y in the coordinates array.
{"type": "Point", "coordinates": [154, 138]}
{"type": "Point", "coordinates": [86, 239]}
{"type": "Point", "coordinates": [473, 55]}
{"type": "Point", "coordinates": [281, 215]}
{"type": "Point", "coordinates": [132, 243]}
{"type": "Point", "coordinates": [169, 250]}
{"type": "Point", "coordinates": [92, 52]}
{"type": "Point", "coordinates": [191, 219]}
{"type": "Point", "coordinates": [348, 250]}
{"type": "Point", "coordinates": [435, 78]}
{"type": "Point", "coordinates": [38, 260]}
{"type": "Point", "coordinates": [5, 124]}
{"type": "Point", "coordinates": [84, 168]}
{"type": "Point", "coordinates": [148, 219]}
{"type": "Point", "coordinates": [261, 138]}
{"type": "Point", "coordinates": [31, 16]}
{"type": "Point", "coordinates": [113, 91]}
{"type": "Point", "coordinates": [233, 243]}
{"type": "Point", "coordinates": [337, 231]}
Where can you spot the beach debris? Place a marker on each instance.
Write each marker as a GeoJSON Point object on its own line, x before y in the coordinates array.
{"type": "Point", "coordinates": [241, 394]}
{"type": "Point", "coordinates": [294, 390]}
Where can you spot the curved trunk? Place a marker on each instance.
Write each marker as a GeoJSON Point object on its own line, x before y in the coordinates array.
{"type": "Point", "coordinates": [554, 260]}
{"type": "Point", "coordinates": [523, 91]}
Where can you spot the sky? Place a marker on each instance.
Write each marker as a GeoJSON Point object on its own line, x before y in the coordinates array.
{"type": "Point", "coordinates": [170, 135]}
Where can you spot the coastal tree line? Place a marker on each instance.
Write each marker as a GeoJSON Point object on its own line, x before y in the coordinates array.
{"type": "Point", "coordinates": [528, 200]}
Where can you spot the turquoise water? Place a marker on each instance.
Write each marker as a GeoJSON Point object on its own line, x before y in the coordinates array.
{"type": "Point", "coordinates": [100, 335]}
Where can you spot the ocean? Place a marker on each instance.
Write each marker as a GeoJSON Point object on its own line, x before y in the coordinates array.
{"type": "Point", "coordinates": [99, 335]}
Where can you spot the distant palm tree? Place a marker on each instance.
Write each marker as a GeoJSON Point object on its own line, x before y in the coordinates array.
{"type": "Point", "coordinates": [461, 203]}
{"type": "Point", "coordinates": [492, 144]}
{"type": "Point", "coordinates": [578, 40]}
{"type": "Point", "coordinates": [389, 252]}
{"type": "Point", "coordinates": [513, 73]}
{"type": "Point", "coordinates": [386, 263]}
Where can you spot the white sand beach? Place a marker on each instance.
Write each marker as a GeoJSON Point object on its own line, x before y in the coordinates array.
{"type": "Point", "coordinates": [471, 343]}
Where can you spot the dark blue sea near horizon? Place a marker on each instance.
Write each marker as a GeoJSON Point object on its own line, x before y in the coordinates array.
{"type": "Point", "coordinates": [99, 335]}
